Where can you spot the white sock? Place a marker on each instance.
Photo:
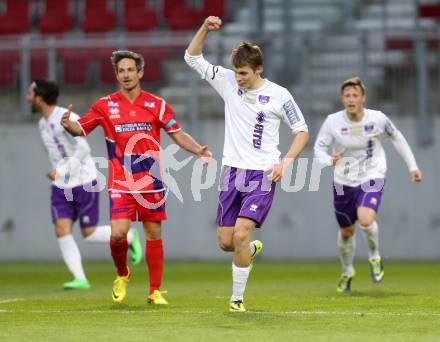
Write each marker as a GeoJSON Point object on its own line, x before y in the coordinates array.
{"type": "Point", "coordinates": [371, 237]}
{"type": "Point", "coordinates": [71, 256]}
{"type": "Point", "coordinates": [101, 234]}
{"type": "Point", "coordinates": [240, 276]}
{"type": "Point", "coordinates": [346, 253]}
{"type": "Point", "coordinates": [130, 236]}
{"type": "Point", "coordinates": [252, 247]}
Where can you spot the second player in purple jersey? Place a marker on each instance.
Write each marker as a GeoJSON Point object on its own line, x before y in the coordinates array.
{"type": "Point", "coordinates": [350, 141]}
{"type": "Point", "coordinates": [73, 176]}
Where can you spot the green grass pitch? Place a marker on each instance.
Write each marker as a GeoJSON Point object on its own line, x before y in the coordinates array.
{"type": "Point", "coordinates": [286, 301]}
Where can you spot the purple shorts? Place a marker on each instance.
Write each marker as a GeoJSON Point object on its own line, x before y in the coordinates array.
{"type": "Point", "coordinates": [83, 204]}
{"type": "Point", "coordinates": [244, 193]}
{"type": "Point", "coordinates": [348, 199]}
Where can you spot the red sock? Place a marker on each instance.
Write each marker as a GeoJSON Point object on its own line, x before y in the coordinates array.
{"type": "Point", "coordinates": [119, 254]}
{"type": "Point", "coordinates": [154, 258]}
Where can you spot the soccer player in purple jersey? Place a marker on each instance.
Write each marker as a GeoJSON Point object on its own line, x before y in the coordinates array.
{"type": "Point", "coordinates": [349, 141]}
{"type": "Point", "coordinates": [254, 108]}
{"type": "Point", "coordinates": [73, 173]}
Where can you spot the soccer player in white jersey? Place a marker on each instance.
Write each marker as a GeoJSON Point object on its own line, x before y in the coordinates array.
{"type": "Point", "coordinates": [254, 108]}
{"type": "Point", "coordinates": [349, 140]}
{"type": "Point", "coordinates": [73, 175]}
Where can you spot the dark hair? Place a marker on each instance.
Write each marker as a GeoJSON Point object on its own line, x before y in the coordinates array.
{"type": "Point", "coordinates": [48, 90]}
{"type": "Point", "coordinates": [121, 54]}
{"type": "Point", "coordinates": [247, 54]}
{"type": "Point", "coordinates": [353, 82]}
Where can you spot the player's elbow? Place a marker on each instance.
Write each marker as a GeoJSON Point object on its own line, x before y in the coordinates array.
{"type": "Point", "coordinates": [304, 135]}
{"type": "Point", "coordinates": [191, 60]}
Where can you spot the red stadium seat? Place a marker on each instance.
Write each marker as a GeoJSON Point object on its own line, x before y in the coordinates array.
{"type": "Point", "coordinates": [97, 17]}
{"type": "Point", "coordinates": [16, 18]}
{"type": "Point", "coordinates": [75, 64]}
{"type": "Point", "coordinates": [39, 67]}
{"type": "Point", "coordinates": [184, 19]}
{"type": "Point", "coordinates": [9, 61]}
{"type": "Point", "coordinates": [406, 44]}
{"type": "Point", "coordinates": [170, 5]}
{"type": "Point", "coordinates": [138, 17]}
{"type": "Point", "coordinates": [214, 7]}
{"type": "Point", "coordinates": [430, 11]}
{"type": "Point", "coordinates": [106, 71]}
{"type": "Point", "coordinates": [56, 18]}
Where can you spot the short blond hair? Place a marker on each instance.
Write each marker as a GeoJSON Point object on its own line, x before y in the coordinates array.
{"type": "Point", "coordinates": [353, 82]}
{"type": "Point", "coordinates": [247, 54]}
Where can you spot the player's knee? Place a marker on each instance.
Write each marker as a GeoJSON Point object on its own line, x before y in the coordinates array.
{"type": "Point", "coordinates": [61, 231]}
{"type": "Point", "coordinates": [347, 233]}
{"type": "Point", "coordinates": [86, 232]}
{"type": "Point", "coordinates": [241, 237]}
{"type": "Point", "coordinates": [118, 236]}
{"type": "Point", "coordinates": [225, 244]}
{"type": "Point", "coordinates": [153, 236]}
{"type": "Point", "coordinates": [366, 220]}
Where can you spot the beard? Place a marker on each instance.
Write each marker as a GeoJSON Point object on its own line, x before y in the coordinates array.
{"type": "Point", "coordinates": [34, 108]}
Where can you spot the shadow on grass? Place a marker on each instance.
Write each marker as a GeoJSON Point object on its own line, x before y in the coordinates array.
{"type": "Point", "coordinates": [137, 307]}
{"type": "Point", "coordinates": [374, 294]}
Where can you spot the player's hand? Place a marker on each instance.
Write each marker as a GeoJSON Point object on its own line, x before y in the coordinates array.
{"type": "Point", "coordinates": [336, 157]}
{"type": "Point", "coordinates": [52, 175]}
{"type": "Point", "coordinates": [278, 170]}
{"type": "Point", "coordinates": [212, 23]}
{"type": "Point", "coordinates": [416, 176]}
{"type": "Point", "coordinates": [205, 155]}
{"type": "Point", "coordinates": [66, 117]}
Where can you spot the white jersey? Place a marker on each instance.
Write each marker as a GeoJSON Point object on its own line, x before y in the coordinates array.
{"type": "Point", "coordinates": [363, 157]}
{"type": "Point", "coordinates": [68, 155]}
{"type": "Point", "coordinates": [252, 117]}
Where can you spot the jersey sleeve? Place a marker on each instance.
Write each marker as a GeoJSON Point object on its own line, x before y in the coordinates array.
{"type": "Point", "coordinates": [167, 118]}
{"type": "Point", "coordinates": [291, 114]}
{"type": "Point", "coordinates": [73, 140]}
{"type": "Point", "coordinates": [399, 142]}
{"type": "Point", "coordinates": [323, 144]}
{"type": "Point", "coordinates": [92, 119]}
{"type": "Point", "coordinates": [220, 78]}
{"type": "Point", "coordinates": [389, 129]}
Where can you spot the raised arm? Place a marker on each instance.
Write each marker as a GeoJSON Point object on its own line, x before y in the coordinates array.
{"type": "Point", "coordinates": [70, 126]}
{"type": "Point", "coordinates": [211, 23]}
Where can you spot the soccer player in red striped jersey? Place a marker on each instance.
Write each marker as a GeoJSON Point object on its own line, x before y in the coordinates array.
{"type": "Point", "coordinates": [131, 119]}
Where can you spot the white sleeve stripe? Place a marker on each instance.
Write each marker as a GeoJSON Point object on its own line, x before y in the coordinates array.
{"type": "Point", "coordinates": [162, 110]}
{"type": "Point", "coordinates": [301, 128]}
{"type": "Point", "coordinates": [82, 129]}
{"type": "Point", "coordinates": [174, 130]}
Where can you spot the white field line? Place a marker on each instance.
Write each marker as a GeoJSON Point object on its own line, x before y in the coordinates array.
{"type": "Point", "coordinates": [12, 300]}
{"type": "Point", "coordinates": [205, 312]}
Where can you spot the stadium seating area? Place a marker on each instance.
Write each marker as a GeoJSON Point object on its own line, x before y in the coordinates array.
{"type": "Point", "coordinates": [330, 39]}
{"type": "Point", "coordinates": [64, 16]}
